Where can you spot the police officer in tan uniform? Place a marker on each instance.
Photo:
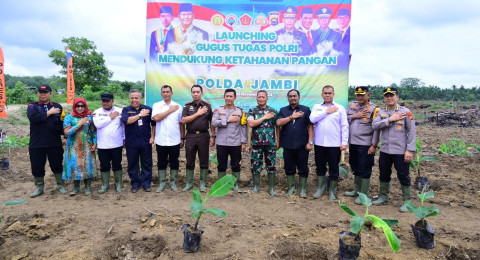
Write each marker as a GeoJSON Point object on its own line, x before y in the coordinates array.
{"type": "Point", "coordinates": [231, 133]}
{"type": "Point", "coordinates": [363, 140]}
{"type": "Point", "coordinates": [397, 132]}
{"type": "Point", "coordinates": [197, 115]}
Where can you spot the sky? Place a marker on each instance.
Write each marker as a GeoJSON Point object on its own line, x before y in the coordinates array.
{"type": "Point", "coordinates": [437, 41]}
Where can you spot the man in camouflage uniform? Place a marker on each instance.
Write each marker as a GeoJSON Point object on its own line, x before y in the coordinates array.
{"type": "Point", "coordinates": [397, 128]}
{"type": "Point", "coordinates": [231, 129]}
{"type": "Point", "coordinates": [363, 141]}
{"type": "Point", "coordinates": [265, 141]}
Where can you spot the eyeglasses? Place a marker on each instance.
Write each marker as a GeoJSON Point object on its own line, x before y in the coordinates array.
{"type": "Point", "coordinates": [79, 106]}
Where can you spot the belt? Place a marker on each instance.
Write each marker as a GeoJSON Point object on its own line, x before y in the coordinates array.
{"type": "Point", "coordinates": [197, 132]}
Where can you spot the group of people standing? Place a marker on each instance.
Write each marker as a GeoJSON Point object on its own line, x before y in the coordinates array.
{"type": "Point", "coordinates": [328, 129]}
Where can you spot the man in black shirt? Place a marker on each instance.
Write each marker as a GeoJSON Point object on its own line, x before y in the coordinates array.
{"type": "Point", "coordinates": [46, 128]}
{"type": "Point", "coordinates": [296, 139]}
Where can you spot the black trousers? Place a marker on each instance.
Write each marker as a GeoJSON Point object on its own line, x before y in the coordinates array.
{"type": "Point", "coordinates": [197, 143]}
{"type": "Point", "coordinates": [38, 158]}
{"type": "Point", "coordinates": [360, 161]}
{"type": "Point", "coordinates": [296, 159]}
{"type": "Point", "coordinates": [166, 155]}
{"type": "Point", "coordinates": [235, 153]}
{"type": "Point", "coordinates": [113, 156]}
{"type": "Point", "coordinates": [330, 155]}
{"type": "Point", "coordinates": [403, 168]}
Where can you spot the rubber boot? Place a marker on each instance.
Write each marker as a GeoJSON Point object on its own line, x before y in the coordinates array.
{"type": "Point", "coordinates": [105, 181]}
{"type": "Point", "coordinates": [189, 184]}
{"type": "Point", "coordinates": [118, 180]}
{"type": "Point", "coordinates": [256, 182]}
{"type": "Point", "coordinates": [407, 197]}
{"type": "Point", "coordinates": [203, 179]}
{"type": "Point", "coordinates": [237, 176]}
{"type": "Point", "coordinates": [40, 183]}
{"type": "Point", "coordinates": [88, 185]}
{"type": "Point", "coordinates": [384, 191]}
{"type": "Point", "coordinates": [320, 187]}
{"type": "Point", "coordinates": [60, 183]}
{"type": "Point", "coordinates": [332, 192]}
{"type": "Point", "coordinates": [76, 188]}
{"type": "Point", "coordinates": [353, 193]}
{"type": "Point", "coordinates": [271, 184]}
{"type": "Point", "coordinates": [173, 179]}
{"type": "Point", "coordinates": [162, 176]}
{"type": "Point", "coordinates": [303, 187]}
{"type": "Point", "coordinates": [221, 174]}
{"type": "Point", "coordinates": [364, 186]}
{"type": "Point", "coordinates": [291, 185]}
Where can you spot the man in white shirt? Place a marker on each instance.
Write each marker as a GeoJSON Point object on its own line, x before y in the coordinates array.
{"type": "Point", "coordinates": [331, 138]}
{"type": "Point", "coordinates": [169, 137]}
{"type": "Point", "coordinates": [110, 141]}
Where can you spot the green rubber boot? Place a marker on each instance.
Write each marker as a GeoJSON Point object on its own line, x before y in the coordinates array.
{"type": "Point", "coordinates": [384, 191]}
{"type": "Point", "coordinates": [303, 187]}
{"type": "Point", "coordinates": [407, 197]}
{"type": "Point", "coordinates": [105, 182]}
{"type": "Point", "coordinates": [162, 176]}
{"type": "Point", "coordinates": [271, 184]}
{"type": "Point", "coordinates": [173, 179]}
{"type": "Point", "coordinates": [320, 187]}
{"type": "Point", "coordinates": [357, 183]}
{"type": "Point", "coordinates": [76, 188]}
{"type": "Point", "coordinates": [60, 183]}
{"type": "Point", "coordinates": [189, 184]}
{"type": "Point", "coordinates": [221, 174]}
{"type": "Point", "coordinates": [332, 192]}
{"type": "Point", "coordinates": [88, 185]}
{"type": "Point", "coordinates": [291, 185]}
{"type": "Point", "coordinates": [364, 186]}
{"type": "Point", "coordinates": [203, 179]}
{"type": "Point", "coordinates": [118, 180]}
{"type": "Point", "coordinates": [40, 183]}
{"type": "Point", "coordinates": [256, 182]}
{"type": "Point", "coordinates": [235, 186]}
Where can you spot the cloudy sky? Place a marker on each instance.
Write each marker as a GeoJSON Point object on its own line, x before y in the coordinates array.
{"type": "Point", "coordinates": [437, 41]}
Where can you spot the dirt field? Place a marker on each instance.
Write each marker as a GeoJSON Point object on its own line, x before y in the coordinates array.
{"type": "Point", "coordinates": [147, 225]}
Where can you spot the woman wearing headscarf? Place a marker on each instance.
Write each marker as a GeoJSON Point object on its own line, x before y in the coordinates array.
{"type": "Point", "coordinates": [81, 144]}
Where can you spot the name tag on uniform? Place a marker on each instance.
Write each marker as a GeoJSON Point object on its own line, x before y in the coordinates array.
{"type": "Point", "coordinates": [140, 122]}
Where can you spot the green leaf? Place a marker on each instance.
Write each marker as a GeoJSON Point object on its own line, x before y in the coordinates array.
{"type": "Point", "coordinates": [430, 159]}
{"type": "Point", "coordinates": [13, 202]}
{"type": "Point", "coordinates": [196, 208]}
{"type": "Point", "coordinates": [426, 195]}
{"type": "Point", "coordinates": [216, 212]}
{"type": "Point", "coordinates": [222, 186]}
{"type": "Point", "coordinates": [390, 222]}
{"type": "Point", "coordinates": [196, 195]}
{"type": "Point", "coordinates": [392, 239]}
{"type": "Point", "coordinates": [411, 207]}
{"type": "Point", "coordinates": [347, 209]}
{"type": "Point", "coordinates": [356, 223]}
{"type": "Point", "coordinates": [343, 171]}
{"type": "Point", "coordinates": [364, 199]}
{"type": "Point", "coordinates": [432, 211]}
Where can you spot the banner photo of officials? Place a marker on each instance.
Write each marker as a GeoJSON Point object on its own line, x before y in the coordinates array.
{"type": "Point", "coordinates": [248, 46]}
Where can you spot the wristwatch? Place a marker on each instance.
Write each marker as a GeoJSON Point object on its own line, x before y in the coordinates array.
{"type": "Point", "coordinates": [311, 143]}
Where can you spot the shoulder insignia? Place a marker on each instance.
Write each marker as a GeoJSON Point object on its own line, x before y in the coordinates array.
{"type": "Point", "coordinates": [410, 115]}
{"type": "Point", "coordinates": [383, 115]}
{"type": "Point", "coordinates": [354, 107]}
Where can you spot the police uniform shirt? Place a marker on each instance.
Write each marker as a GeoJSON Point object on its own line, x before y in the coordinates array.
{"type": "Point", "coordinates": [294, 135]}
{"type": "Point", "coordinates": [136, 135]}
{"type": "Point", "coordinates": [110, 132]}
{"type": "Point", "coordinates": [45, 131]}
{"type": "Point", "coordinates": [361, 132]}
{"type": "Point", "coordinates": [229, 133]}
{"type": "Point", "coordinates": [167, 131]}
{"type": "Point", "coordinates": [201, 123]}
{"type": "Point", "coordinates": [397, 137]}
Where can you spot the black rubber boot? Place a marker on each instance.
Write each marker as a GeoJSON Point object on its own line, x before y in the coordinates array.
{"type": "Point", "coordinates": [40, 183]}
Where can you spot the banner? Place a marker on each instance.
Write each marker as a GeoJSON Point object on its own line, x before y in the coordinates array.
{"type": "Point", "coordinates": [70, 81]}
{"type": "Point", "coordinates": [249, 46]}
{"type": "Point", "coordinates": [3, 93]}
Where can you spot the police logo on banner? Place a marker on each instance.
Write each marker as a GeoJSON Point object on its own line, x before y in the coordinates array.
{"type": "Point", "coordinates": [273, 18]}
{"type": "Point", "coordinates": [231, 20]}
{"type": "Point", "coordinates": [217, 20]}
{"type": "Point", "coordinates": [261, 20]}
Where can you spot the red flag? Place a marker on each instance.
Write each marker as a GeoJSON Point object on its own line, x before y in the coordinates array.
{"type": "Point", "coordinates": [3, 96]}
{"type": "Point", "coordinates": [70, 81]}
